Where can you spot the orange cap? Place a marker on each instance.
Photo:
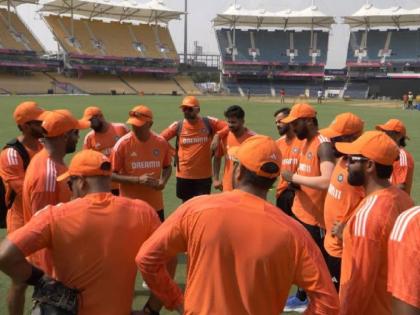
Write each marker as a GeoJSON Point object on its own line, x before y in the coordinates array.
{"type": "Point", "coordinates": [88, 163]}
{"type": "Point", "coordinates": [374, 145]}
{"type": "Point", "coordinates": [27, 111]}
{"type": "Point", "coordinates": [393, 125]}
{"type": "Point", "coordinates": [91, 111]}
{"type": "Point", "coordinates": [190, 101]}
{"type": "Point", "coordinates": [256, 151]}
{"type": "Point", "coordinates": [60, 121]}
{"type": "Point", "coordinates": [343, 125]}
{"type": "Point", "coordinates": [139, 115]}
{"type": "Point", "coordinates": [302, 110]}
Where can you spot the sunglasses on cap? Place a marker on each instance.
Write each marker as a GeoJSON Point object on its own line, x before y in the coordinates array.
{"type": "Point", "coordinates": [139, 115]}
{"type": "Point", "coordinates": [355, 158]}
{"type": "Point", "coordinates": [187, 108]}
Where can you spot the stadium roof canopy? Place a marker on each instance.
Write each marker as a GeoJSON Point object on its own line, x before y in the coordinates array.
{"type": "Point", "coordinates": [154, 11]}
{"type": "Point", "coordinates": [236, 16]}
{"type": "Point", "coordinates": [369, 16]}
{"type": "Point", "coordinates": [14, 3]}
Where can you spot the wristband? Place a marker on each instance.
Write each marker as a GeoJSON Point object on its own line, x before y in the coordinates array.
{"type": "Point", "coordinates": [147, 310]}
{"type": "Point", "coordinates": [36, 274]}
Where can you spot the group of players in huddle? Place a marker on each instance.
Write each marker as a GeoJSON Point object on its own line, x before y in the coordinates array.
{"type": "Point", "coordinates": [344, 229]}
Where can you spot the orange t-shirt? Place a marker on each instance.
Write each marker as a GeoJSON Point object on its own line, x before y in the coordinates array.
{"type": "Point", "coordinates": [194, 147]}
{"type": "Point", "coordinates": [341, 200]}
{"type": "Point", "coordinates": [93, 242]}
{"type": "Point", "coordinates": [105, 141]}
{"type": "Point", "coordinates": [12, 173]}
{"type": "Point", "coordinates": [236, 243]}
{"type": "Point", "coordinates": [40, 188]}
{"type": "Point", "coordinates": [134, 158]}
{"type": "Point", "coordinates": [290, 151]}
{"type": "Point", "coordinates": [227, 142]}
{"type": "Point", "coordinates": [364, 268]}
{"type": "Point", "coordinates": [403, 170]}
{"type": "Point", "coordinates": [308, 205]}
{"type": "Point", "coordinates": [403, 256]}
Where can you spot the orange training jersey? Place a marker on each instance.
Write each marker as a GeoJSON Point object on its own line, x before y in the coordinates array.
{"type": "Point", "coordinates": [308, 205]}
{"type": "Point", "coordinates": [104, 232]}
{"type": "Point", "coordinates": [40, 188]}
{"type": "Point", "coordinates": [403, 256]}
{"type": "Point", "coordinates": [134, 158]}
{"type": "Point", "coordinates": [290, 151]}
{"type": "Point", "coordinates": [227, 142]}
{"type": "Point", "coordinates": [194, 147]}
{"type": "Point", "coordinates": [12, 173]}
{"type": "Point", "coordinates": [105, 141]}
{"type": "Point", "coordinates": [403, 170]}
{"type": "Point", "coordinates": [245, 244]}
{"type": "Point", "coordinates": [363, 288]}
{"type": "Point", "coordinates": [340, 202]}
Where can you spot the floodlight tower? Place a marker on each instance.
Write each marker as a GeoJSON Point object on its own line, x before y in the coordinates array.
{"type": "Point", "coordinates": [185, 31]}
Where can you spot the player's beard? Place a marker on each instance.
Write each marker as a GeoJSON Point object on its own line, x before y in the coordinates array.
{"type": "Point", "coordinates": [356, 178]}
{"type": "Point", "coordinates": [283, 130]}
{"type": "Point", "coordinates": [96, 125]}
{"type": "Point", "coordinates": [303, 133]}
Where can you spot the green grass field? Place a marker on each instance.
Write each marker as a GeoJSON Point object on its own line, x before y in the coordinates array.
{"type": "Point", "coordinates": [259, 117]}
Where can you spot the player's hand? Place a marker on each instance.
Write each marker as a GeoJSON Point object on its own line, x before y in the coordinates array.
{"type": "Point", "coordinates": [217, 184]}
{"type": "Point", "coordinates": [147, 179]}
{"type": "Point", "coordinates": [159, 185]}
{"type": "Point", "coordinates": [337, 230]}
{"type": "Point", "coordinates": [287, 175]}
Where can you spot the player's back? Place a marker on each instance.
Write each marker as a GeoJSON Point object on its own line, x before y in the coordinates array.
{"type": "Point", "coordinates": [93, 245]}
{"type": "Point", "coordinates": [244, 254]}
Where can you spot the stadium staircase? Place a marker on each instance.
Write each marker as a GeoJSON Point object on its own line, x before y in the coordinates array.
{"type": "Point", "coordinates": [67, 87]}
{"type": "Point", "coordinates": [128, 84]}
{"type": "Point", "coordinates": [180, 86]}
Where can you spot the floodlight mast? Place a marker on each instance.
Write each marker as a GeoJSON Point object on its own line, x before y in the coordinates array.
{"type": "Point", "coordinates": [185, 31]}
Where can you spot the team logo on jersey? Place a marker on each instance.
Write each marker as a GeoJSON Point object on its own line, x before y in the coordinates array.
{"type": "Point", "coordinates": [309, 155]}
{"type": "Point", "coordinates": [295, 150]}
{"type": "Point", "coordinates": [156, 152]}
{"type": "Point", "coordinates": [340, 178]}
{"type": "Point", "coordinates": [97, 145]}
{"type": "Point", "coordinates": [133, 154]}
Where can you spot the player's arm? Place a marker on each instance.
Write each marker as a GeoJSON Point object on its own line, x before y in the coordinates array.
{"type": "Point", "coordinates": [357, 292]}
{"type": "Point", "coordinates": [32, 237]}
{"type": "Point", "coordinates": [154, 255]}
{"type": "Point", "coordinates": [170, 132]}
{"type": "Point", "coordinates": [166, 174]}
{"type": "Point", "coordinates": [12, 171]}
{"type": "Point", "coordinates": [217, 162]}
{"type": "Point", "coordinates": [87, 143]}
{"type": "Point", "coordinates": [313, 276]}
{"type": "Point", "coordinates": [327, 160]}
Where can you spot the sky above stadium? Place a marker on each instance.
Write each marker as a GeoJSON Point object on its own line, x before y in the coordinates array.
{"type": "Point", "coordinates": [202, 12]}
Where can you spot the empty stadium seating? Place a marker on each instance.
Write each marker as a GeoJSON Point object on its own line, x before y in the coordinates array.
{"type": "Point", "coordinates": [16, 35]}
{"type": "Point", "coordinates": [32, 83]}
{"type": "Point", "coordinates": [151, 85]}
{"type": "Point", "coordinates": [97, 38]}
{"type": "Point", "coordinates": [96, 84]}
{"type": "Point", "coordinates": [187, 85]}
{"type": "Point", "coordinates": [397, 45]}
{"type": "Point", "coordinates": [356, 90]}
{"type": "Point", "coordinates": [272, 46]}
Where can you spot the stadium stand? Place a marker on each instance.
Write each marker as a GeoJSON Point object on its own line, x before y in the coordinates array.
{"type": "Point", "coordinates": [127, 40]}
{"type": "Point", "coordinates": [187, 85]}
{"type": "Point", "coordinates": [29, 83]}
{"type": "Point", "coordinates": [357, 90]}
{"type": "Point", "coordinates": [16, 35]}
{"type": "Point", "coordinates": [95, 84]}
{"type": "Point", "coordinates": [151, 85]}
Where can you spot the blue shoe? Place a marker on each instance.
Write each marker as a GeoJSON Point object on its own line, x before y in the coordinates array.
{"type": "Point", "coordinates": [293, 304]}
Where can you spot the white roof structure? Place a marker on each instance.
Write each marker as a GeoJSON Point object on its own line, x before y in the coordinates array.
{"type": "Point", "coordinates": [369, 16]}
{"type": "Point", "coordinates": [154, 11]}
{"type": "Point", "coordinates": [236, 16]}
